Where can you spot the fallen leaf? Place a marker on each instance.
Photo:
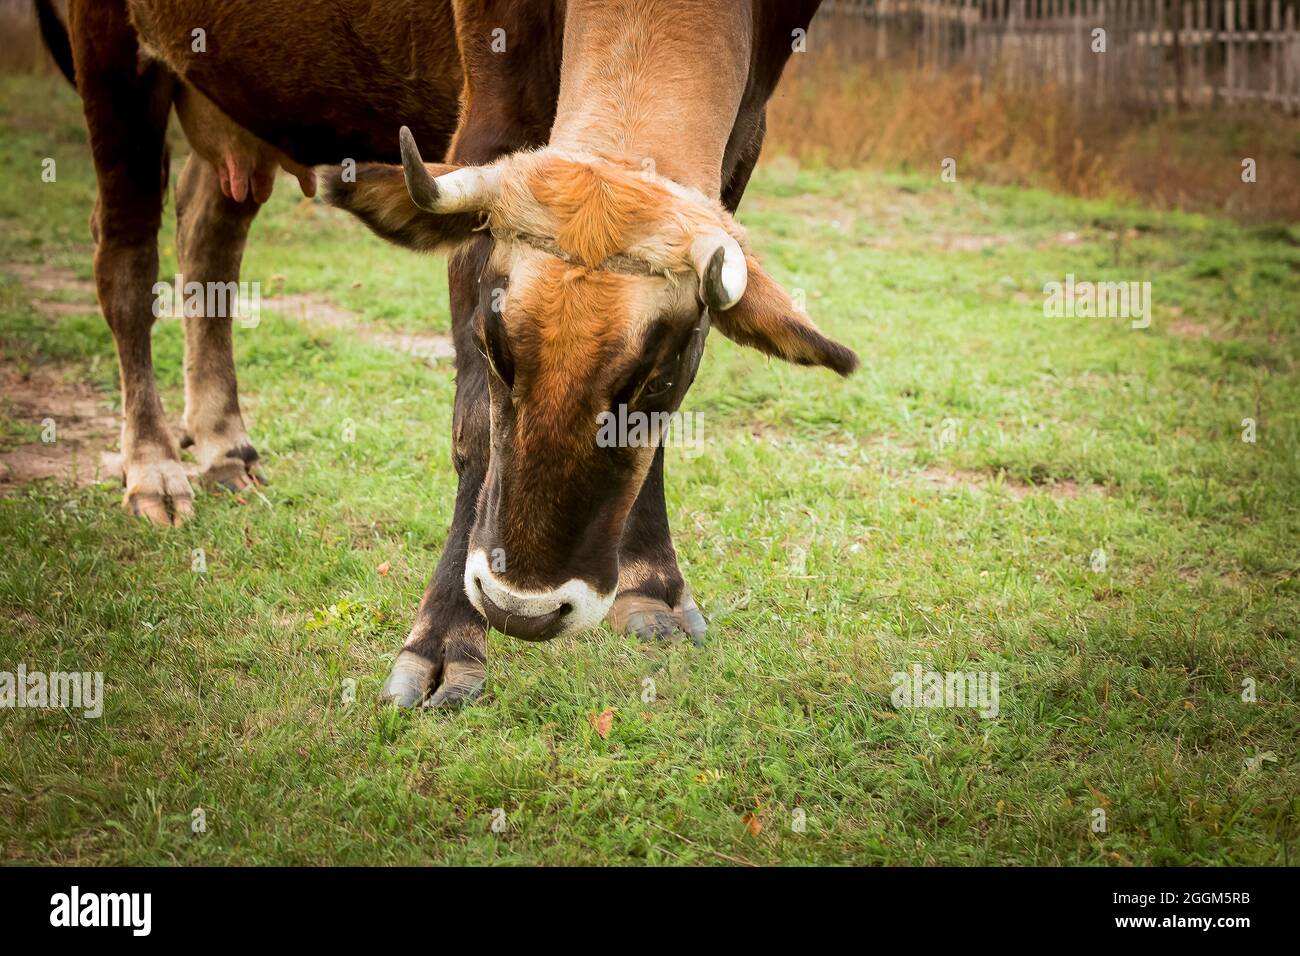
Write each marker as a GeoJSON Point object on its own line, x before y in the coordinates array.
{"type": "Point", "coordinates": [1101, 797]}
{"type": "Point", "coordinates": [602, 722]}
{"type": "Point", "coordinates": [382, 570]}
{"type": "Point", "coordinates": [1256, 763]}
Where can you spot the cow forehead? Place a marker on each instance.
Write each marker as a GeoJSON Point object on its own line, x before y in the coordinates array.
{"type": "Point", "coordinates": [594, 251]}
{"type": "Point", "coordinates": [569, 314]}
{"type": "Point", "coordinates": [591, 209]}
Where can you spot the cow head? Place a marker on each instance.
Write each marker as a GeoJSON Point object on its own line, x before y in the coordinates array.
{"type": "Point", "coordinates": [597, 297]}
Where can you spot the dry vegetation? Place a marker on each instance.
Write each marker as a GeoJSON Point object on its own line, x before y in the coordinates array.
{"type": "Point", "coordinates": [842, 108]}
{"type": "Point", "coordinates": [844, 111]}
{"type": "Point", "coordinates": [21, 50]}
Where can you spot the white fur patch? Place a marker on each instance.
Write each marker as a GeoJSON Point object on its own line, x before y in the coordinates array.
{"type": "Point", "coordinates": [587, 606]}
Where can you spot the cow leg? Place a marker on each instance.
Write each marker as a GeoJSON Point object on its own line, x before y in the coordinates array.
{"type": "Point", "coordinates": [444, 659]}
{"type": "Point", "coordinates": [210, 233]}
{"type": "Point", "coordinates": [127, 103]}
{"type": "Point", "coordinates": [654, 601]}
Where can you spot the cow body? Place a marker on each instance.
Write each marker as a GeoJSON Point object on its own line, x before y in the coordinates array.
{"type": "Point", "coordinates": [606, 244]}
{"type": "Point", "coordinates": [258, 85]}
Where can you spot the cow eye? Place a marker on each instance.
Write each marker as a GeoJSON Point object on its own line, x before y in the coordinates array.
{"type": "Point", "coordinates": [659, 384]}
{"type": "Point", "coordinates": [650, 377]}
{"type": "Point", "coordinates": [648, 386]}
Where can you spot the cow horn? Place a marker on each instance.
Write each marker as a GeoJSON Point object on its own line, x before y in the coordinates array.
{"type": "Point", "coordinates": [467, 189]}
{"type": "Point", "coordinates": [422, 187]}
{"type": "Point", "coordinates": [720, 262]}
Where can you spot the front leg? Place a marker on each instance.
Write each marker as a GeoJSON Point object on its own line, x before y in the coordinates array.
{"type": "Point", "coordinates": [654, 601]}
{"type": "Point", "coordinates": [445, 656]}
{"type": "Point", "coordinates": [444, 659]}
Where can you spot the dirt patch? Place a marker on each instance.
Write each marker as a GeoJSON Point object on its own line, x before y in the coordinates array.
{"type": "Point", "coordinates": [77, 427]}
{"type": "Point", "coordinates": [967, 242]}
{"type": "Point", "coordinates": [77, 295]}
{"type": "Point", "coordinates": [1192, 329]}
{"type": "Point", "coordinates": [81, 427]}
{"type": "Point", "coordinates": [947, 241]}
{"type": "Point", "coordinates": [939, 478]}
{"type": "Point", "coordinates": [46, 279]}
{"type": "Point", "coordinates": [55, 309]}
{"type": "Point", "coordinates": [318, 310]}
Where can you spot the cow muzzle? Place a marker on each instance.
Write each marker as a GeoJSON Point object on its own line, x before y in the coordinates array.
{"type": "Point", "coordinates": [532, 615]}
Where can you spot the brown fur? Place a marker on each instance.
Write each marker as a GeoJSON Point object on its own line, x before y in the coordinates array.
{"type": "Point", "coordinates": [766, 318]}
{"type": "Point", "coordinates": [619, 178]}
{"type": "Point", "coordinates": [211, 230]}
{"type": "Point", "coordinates": [379, 198]}
{"type": "Point", "coordinates": [568, 325]}
{"type": "Point", "coordinates": [318, 80]}
{"type": "Point", "coordinates": [655, 79]}
{"type": "Point", "coordinates": [593, 209]}
{"type": "Point", "coordinates": [598, 209]}
{"type": "Point", "coordinates": [281, 83]}
{"type": "Point", "coordinates": [676, 87]}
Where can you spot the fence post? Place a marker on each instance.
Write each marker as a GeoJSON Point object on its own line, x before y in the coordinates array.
{"type": "Point", "coordinates": [1274, 49]}
{"type": "Point", "coordinates": [1288, 61]}
{"type": "Point", "coordinates": [1180, 68]}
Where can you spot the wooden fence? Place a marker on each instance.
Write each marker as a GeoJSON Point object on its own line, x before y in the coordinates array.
{"type": "Point", "coordinates": [1166, 53]}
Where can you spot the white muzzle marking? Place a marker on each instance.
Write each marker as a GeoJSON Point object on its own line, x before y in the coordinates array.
{"type": "Point", "coordinates": [587, 606]}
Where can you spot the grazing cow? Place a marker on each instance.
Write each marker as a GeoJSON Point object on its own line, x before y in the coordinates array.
{"type": "Point", "coordinates": [601, 149]}
{"type": "Point", "coordinates": [587, 268]}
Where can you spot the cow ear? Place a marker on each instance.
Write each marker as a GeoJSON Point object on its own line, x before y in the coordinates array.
{"type": "Point", "coordinates": [377, 194]}
{"type": "Point", "coordinates": [766, 318]}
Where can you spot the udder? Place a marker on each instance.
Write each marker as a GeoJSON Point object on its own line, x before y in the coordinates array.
{"type": "Point", "coordinates": [246, 165]}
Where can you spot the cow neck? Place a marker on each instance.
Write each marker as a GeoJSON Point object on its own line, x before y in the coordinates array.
{"type": "Point", "coordinates": [656, 80]}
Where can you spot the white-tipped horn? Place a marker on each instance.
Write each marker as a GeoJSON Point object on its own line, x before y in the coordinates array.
{"type": "Point", "coordinates": [720, 263]}
{"type": "Point", "coordinates": [468, 189]}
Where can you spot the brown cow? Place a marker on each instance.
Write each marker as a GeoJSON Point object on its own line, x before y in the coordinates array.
{"type": "Point", "coordinates": [581, 273]}
{"type": "Point", "coordinates": [601, 149]}
{"type": "Point", "coordinates": [257, 85]}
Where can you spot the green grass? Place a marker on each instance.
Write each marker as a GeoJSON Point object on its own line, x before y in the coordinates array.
{"type": "Point", "coordinates": [966, 551]}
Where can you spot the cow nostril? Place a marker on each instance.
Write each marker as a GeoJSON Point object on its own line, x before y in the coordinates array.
{"type": "Point", "coordinates": [564, 608]}
{"type": "Point", "coordinates": [478, 584]}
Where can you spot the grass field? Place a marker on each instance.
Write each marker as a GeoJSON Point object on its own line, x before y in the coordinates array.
{"type": "Point", "coordinates": [944, 507]}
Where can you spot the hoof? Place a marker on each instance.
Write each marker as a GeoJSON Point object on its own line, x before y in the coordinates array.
{"type": "Point", "coordinates": [159, 492]}
{"type": "Point", "coordinates": [408, 683]}
{"type": "Point", "coordinates": [235, 471]}
{"type": "Point", "coordinates": [649, 619]}
{"type": "Point", "coordinates": [461, 684]}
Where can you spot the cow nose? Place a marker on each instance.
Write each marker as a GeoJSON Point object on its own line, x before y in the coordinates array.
{"type": "Point", "coordinates": [531, 615]}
